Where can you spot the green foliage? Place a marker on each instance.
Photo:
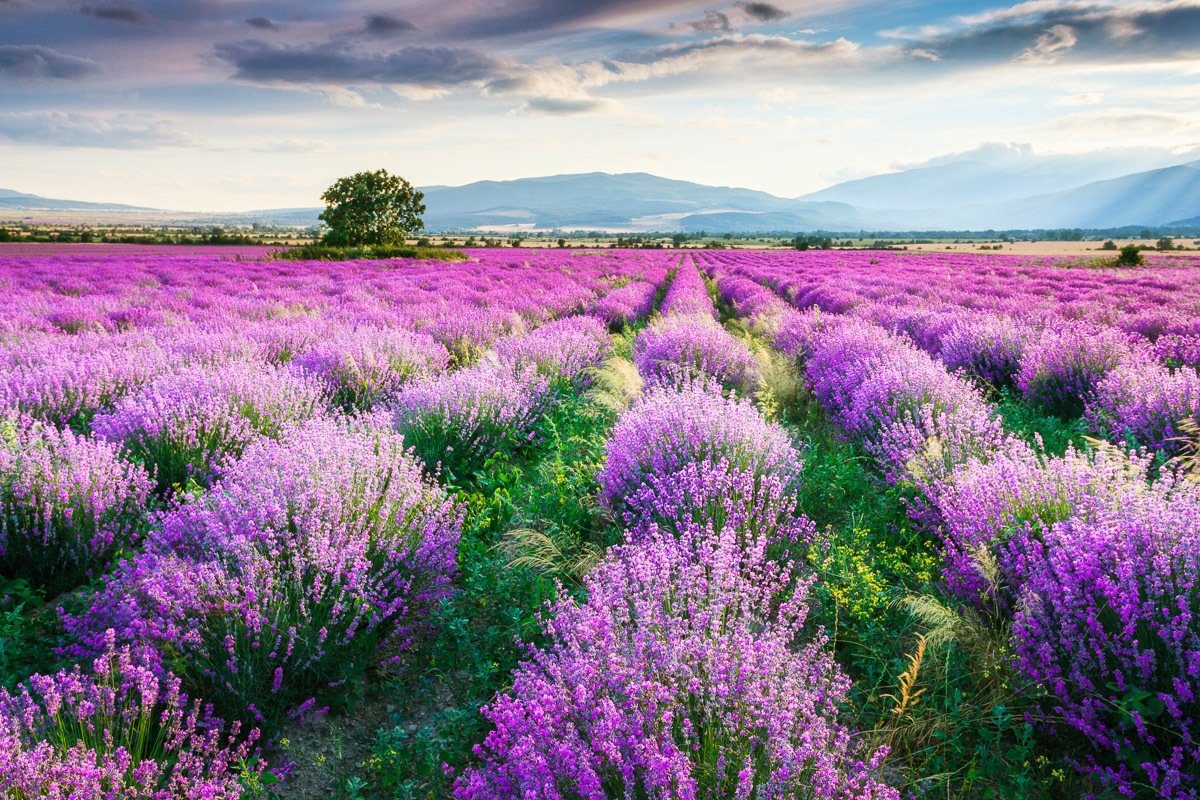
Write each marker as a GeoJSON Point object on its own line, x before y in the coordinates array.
{"type": "Point", "coordinates": [1130, 256]}
{"type": "Point", "coordinates": [371, 208]}
{"type": "Point", "coordinates": [1031, 424]}
{"type": "Point", "coordinates": [325, 252]}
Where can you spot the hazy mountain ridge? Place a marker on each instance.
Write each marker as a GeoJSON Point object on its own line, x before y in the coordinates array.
{"type": "Point", "coordinates": [960, 195]}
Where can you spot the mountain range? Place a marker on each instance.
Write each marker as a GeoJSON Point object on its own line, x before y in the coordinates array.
{"type": "Point", "coordinates": [960, 194]}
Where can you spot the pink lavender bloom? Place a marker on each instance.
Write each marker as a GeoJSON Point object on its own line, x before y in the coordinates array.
{"type": "Point", "coordinates": [120, 729]}
{"type": "Point", "coordinates": [460, 419]}
{"type": "Point", "coordinates": [1004, 503]}
{"type": "Point", "coordinates": [667, 432]}
{"type": "Point", "coordinates": [1110, 626]}
{"type": "Point", "coordinates": [627, 304]}
{"type": "Point", "coordinates": [68, 504]}
{"type": "Point", "coordinates": [362, 367]}
{"type": "Point", "coordinates": [688, 294]}
{"type": "Point", "coordinates": [682, 349]}
{"type": "Point", "coordinates": [1061, 370]}
{"type": "Point", "coordinates": [562, 350]}
{"type": "Point", "coordinates": [681, 676]}
{"type": "Point", "coordinates": [313, 558]}
{"type": "Point", "coordinates": [988, 347]}
{"type": "Point", "coordinates": [183, 424]}
{"type": "Point", "coordinates": [1142, 404]}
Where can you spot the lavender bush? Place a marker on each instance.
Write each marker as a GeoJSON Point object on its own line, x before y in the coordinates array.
{"type": "Point", "coordinates": [688, 348]}
{"type": "Point", "coordinates": [68, 504]}
{"type": "Point", "coordinates": [315, 557]}
{"type": "Point", "coordinates": [680, 677]}
{"type": "Point", "coordinates": [118, 730]}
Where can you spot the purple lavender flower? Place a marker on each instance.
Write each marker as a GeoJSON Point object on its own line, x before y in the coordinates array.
{"type": "Point", "coordinates": [121, 729]}
{"type": "Point", "coordinates": [183, 424]}
{"type": "Point", "coordinates": [1142, 404]}
{"type": "Point", "coordinates": [68, 503]}
{"type": "Point", "coordinates": [562, 350]}
{"type": "Point", "coordinates": [667, 432]}
{"type": "Point", "coordinates": [460, 419]}
{"type": "Point", "coordinates": [680, 677]}
{"type": "Point", "coordinates": [683, 349]}
{"type": "Point", "coordinates": [362, 367]}
{"type": "Point", "coordinates": [313, 558]}
{"type": "Point", "coordinates": [1062, 369]}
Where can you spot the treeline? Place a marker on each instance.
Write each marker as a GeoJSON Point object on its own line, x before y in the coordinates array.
{"type": "Point", "coordinates": [164, 236]}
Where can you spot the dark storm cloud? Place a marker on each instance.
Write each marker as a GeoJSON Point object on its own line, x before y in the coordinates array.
{"type": "Point", "coordinates": [763, 12]}
{"type": "Point", "coordinates": [1067, 30]}
{"type": "Point", "coordinates": [126, 14]}
{"type": "Point", "coordinates": [384, 25]}
{"type": "Point", "coordinates": [332, 64]}
{"type": "Point", "coordinates": [34, 61]}
{"type": "Point", "coordinates": [262, 23]}
{"type": "Point", "coordinates": [713, 22]}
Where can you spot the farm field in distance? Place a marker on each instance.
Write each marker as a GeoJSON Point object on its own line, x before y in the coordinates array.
{"type": "Point", "coordinates": [598, 523]}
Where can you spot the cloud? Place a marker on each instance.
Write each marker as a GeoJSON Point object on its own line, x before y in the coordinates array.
{"type": "Point", "coordinates": [34, 61]}
{"type": "Point", "coordinates": [383, 25]}
{"type": "Point", "coordinates": [1050, 46]}
{"type": "Point", "coordinates": [736, 16]}
{"type": "Point", "coordinates": [1083, 31]}
{"type": "Point", "coordinates": [58, 129]}
{"type": "Point", "coordinates": [1079, 99]}
{"type": "Point", "coordinates": [291, 146]}
{"type": "Point", "coordinates": [126, 14]}
{"type": "Point", "coordinates": [333, 64]}
{"type": "Point", "coordinates": [763, 12]}
{"type": "Point", "coordinates": [500, 18]}
{"type": "Point", "coordinates": [262, 23]}
{"type": "Point", "coordinates": [565, 105]}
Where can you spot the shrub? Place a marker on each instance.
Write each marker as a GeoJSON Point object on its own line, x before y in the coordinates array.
{"type": "Point", "coordinates": [680, 677]}
{"type": "Point", "coordinates": [182, 425]}
{"type": "Point", "coordinates": [461, 419]}
{"type": "Point", "coordinates": [1060, 371]}
{"type": "Point", "coordinates": [627, 304]}
{"type": "Point", "coordinates": [365, 366]}
{"type": "Point", "coordinates": [314, 558]}
{"type": "Point", "coordinates": [1111, 629]}
{"type": "Point", "coordinates": [651, 473]}
{"type": "Point", "coordinates": [562, 350]}
{"type": "Point", "coordinates": [684, 349]}
{"type": "Point", "coordinates": [988, 348]}
{"type": "Point", "coordinates": [68, 504]}
{"type": "Point", "coordinates": [1142, 404]}
{"type": "Point", "coordinates": [118, 730]}
{"type": "Point", "coordinates": [1130, 256]}
{"type": "Point", "coordinates": [687, 294]}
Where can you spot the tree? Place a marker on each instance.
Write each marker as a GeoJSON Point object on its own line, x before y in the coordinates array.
{"type": "Point", "coordinates": [1166, 243]}
{"type": "Point", "coordinates": [1109, 245]}
{"type": "Point", "coordinates": [371, 208]}
{"type": "Point", "coordinates": [1131, 256]}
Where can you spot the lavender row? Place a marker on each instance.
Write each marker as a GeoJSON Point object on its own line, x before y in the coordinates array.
{"type": "Point", "coordinates": [1071, 342]}
{"type": "Point", "coordinates": [688, 670]}
{"type": "Point", "coordinates": [1097, 566]}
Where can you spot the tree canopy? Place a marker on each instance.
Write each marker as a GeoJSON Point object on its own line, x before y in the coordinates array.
{"type": "Point", "coordinates": [371, 208]}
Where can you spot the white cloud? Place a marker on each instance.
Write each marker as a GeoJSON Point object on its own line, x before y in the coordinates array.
{"type": "Point", "coordinates": [1050, 46]}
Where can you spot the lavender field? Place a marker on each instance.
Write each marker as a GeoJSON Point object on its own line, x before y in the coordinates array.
{"type": "Point", "coordinates": [598, 524]}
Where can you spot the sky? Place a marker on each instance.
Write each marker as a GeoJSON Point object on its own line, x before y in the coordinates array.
{"type": "Point", "coordinates": [227, 105]}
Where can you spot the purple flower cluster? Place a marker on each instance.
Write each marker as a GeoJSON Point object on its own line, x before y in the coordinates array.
{"type": "Point", "coordinates": [363, 367]}
{"type": "Point", "coordinates": [632, 302]}
{"type": "Point", "coordinates": [314, 557]}
{"type": "Point", "coordinates": [562, 350]}
{"type": "Point", "coordinates": [1143, 403]}
{"type": "Point", "coordinates": [458, 420]}
{"type": "Point", "coordinates": [182, 424]}
{"type": "Point", "coordinates": [685, 454]}
{"type": "Point", "coordinates": [122, 730]}
{"type": "Point", "coordinates": [1109, 628]}
{"type": "Point", "coordinates": [684, 349]}
{"type": "Point", "coordinates": [1064, 366]}
{"type": "Point", "coordinates": [688, 294]}
{"type": "Point", "coordinates": [68, 504]}
{"type": "Point", "coordinates": [680, 677]}
{"type": "Point", "coordinates": [986, 347]}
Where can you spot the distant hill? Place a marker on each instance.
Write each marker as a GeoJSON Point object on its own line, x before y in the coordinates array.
{"type": "Point", "coordinates": [958, 195]}
{"type": "Point", "coordinates": [19, 201]}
